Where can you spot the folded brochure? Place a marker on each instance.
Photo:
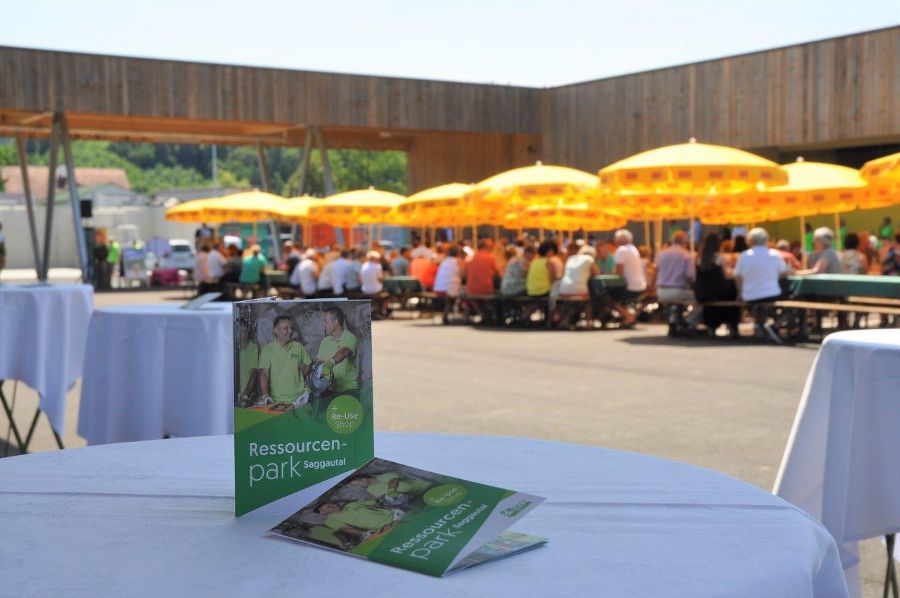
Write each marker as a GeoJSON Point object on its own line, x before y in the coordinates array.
{"type": "Point", "coordinates": [303, 420]}
{"type": "Point", "coordinates": [413, 519]}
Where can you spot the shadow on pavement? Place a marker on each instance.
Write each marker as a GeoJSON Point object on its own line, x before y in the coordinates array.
{"type": "Point", "coordinates": [706, 342]}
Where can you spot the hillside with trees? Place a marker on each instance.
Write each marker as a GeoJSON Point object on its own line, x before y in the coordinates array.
{"type": "Point", "coordinates": [152, 167]}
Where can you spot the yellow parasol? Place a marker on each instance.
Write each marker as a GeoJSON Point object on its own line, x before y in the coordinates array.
{"type": "Point", "coordinates": [188, 211]}
{"type": "Point", "coordinates": [296, 209]}
{"type": "Point", "coordinates": [689, 179]}
{"type": "Point", "coordinates": [444, 205]}
{"type": "Point", "coordinates": [248, 206]}
{"type": "Point", "coordinates": [565, 217]}
{"type": "Point", "coordinates": [883, 175]}
{"type": "Point", "coordinates": [812, 188]}
{"type": "Point", "coordinates": [363, 206]}
{"type": "Point", "coordinates": [518, 188]}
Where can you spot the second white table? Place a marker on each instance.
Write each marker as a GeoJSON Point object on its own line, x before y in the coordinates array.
{"type": "Point", "coordinates": [157, 370]}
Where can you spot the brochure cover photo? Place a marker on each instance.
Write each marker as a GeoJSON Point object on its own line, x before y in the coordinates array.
{"type": "Point", "coordinates": [414, 519]}
{"type": "Point", "coordinates": [303, 396]}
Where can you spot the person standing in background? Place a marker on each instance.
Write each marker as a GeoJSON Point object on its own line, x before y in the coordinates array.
{"type": "Point", "coordinates": [2, 248]}
{"type": "Point", "coordinates": [886, 230]}
{"type": "Point", "coordinates": [113, 255]}
{"type": "Point", "coordinates": [202, 235]}
{"type": "Point", "coordinates": [101, 266]}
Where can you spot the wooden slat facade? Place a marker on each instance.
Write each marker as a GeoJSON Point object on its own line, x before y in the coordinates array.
{"type": "Point", "coordinates": [467, 158]}
{"type": "Point", "coordinates": [832, 93]}
{"type": "Point", "coordinates": [46, 81]}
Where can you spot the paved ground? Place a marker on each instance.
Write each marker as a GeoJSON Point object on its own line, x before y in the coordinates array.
{"type": "Point", "coordinates": [725, 406]}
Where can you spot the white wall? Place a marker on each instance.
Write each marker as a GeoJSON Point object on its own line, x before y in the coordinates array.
{"type": "Point", "coordinates": [150, 221]}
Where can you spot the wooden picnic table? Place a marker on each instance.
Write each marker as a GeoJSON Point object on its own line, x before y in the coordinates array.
{"type": "Point", "coordinates": [844, 285]}
{"type": "Point", "coordinates": [605, 284]}
{"type": "Point", "coordinates": [277, 278]}
{"type": "Point", "coordinates": [400, 285]}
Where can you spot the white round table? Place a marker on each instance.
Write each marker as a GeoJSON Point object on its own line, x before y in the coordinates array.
{"type": "Point", "coordinates": [157, 370]}
{"type": "Point", "coordinates": [156, 518]}
{"type": "Point", "coordinates": [842, 462]}
{"type": "Point", "coordinates": [43, 328]}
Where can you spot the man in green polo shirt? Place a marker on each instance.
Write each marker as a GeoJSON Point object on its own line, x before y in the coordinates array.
{"type": "Point", "coordinates": [391, 484]}
{"type": "Point", "coordinates": [337, 352]}
{"type": "Point", "coordinates": [355, 519]}
{"type": "Point", "coordinates": [248, 358]}
{"type": "Point", "coordinates": [283, 365]}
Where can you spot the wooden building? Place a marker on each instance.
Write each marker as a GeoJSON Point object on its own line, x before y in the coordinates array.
{"type": "Point", "coordinates": [824, 96]}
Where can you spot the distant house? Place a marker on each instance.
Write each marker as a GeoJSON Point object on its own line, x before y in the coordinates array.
{"type": "Point", "coordinates": [172, 197]}
{"type": "Point", "coordinates": [112, 195]}
{"type": "Point", "coordinates": [38, 177]}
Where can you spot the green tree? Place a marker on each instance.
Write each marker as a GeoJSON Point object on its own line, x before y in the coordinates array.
{"type": "Point", "coordinates": [151, 167]}
{"type": "Point", "coordinates": [8, 157]}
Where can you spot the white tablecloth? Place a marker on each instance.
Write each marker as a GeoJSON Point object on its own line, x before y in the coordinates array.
{"type": "Point", "coordinates": [842, 462]}
{"type": "Point", "coordinates": [156, 518]}
{"type": "Point", "coordinates": [156, 370]}
{"type": "Point", "coordinates": [42, 337]}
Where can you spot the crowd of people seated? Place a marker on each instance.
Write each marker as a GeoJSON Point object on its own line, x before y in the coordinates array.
{"type": "Point", "coordinates": [747, 267]}
{"type": "Point", "coordinates": [753, 268]}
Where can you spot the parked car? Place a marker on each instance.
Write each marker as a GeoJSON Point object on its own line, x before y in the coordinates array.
{"type": "Point", "coordinates": [181, 256]}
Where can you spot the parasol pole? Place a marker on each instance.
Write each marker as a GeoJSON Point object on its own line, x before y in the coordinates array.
{"type": "Point", "coordinates": [658, 239]}
{"type": "Point", "coordinates": [647, 235]}
{"type": "Point", "coordinates": [837, 231]}
{"type": "Point", "coordinates": [691, 225]}
{"type": "Point", "coordinates": [803, 239]}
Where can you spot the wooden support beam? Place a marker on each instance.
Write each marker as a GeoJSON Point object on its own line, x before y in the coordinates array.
{"type": "Point", "coordinates": [72, 183]}
{"type": "Point", "coordinates": [51, 195]}
{"type": "Point", "coordinates": [29, 203]}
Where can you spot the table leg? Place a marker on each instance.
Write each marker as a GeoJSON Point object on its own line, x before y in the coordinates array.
{"type": "Point", "coordinates": [890, 576]}
{"type": "Point", "coordinates": [34, 421]}
{"type": "Point", "coordinates": [12, 423]}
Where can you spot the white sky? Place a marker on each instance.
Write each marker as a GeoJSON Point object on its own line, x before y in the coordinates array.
{"type": "Point", "coordinates": [523, 42]}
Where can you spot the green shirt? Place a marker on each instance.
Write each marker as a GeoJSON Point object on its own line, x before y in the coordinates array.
{"type": "Point", "coordinates": [286, 382]}
{"type": "Point", "coordinates": [608, 264]}
{"type": "Point", "coordinates": [886, 231]}
{"type": "Point", "coordinates": [249, 361]}
{"type": "Point", "coordinates": [404, 486]}
{"type": "Point", "coordinates": [113, 253]}
{"type": "Point", "coordinates": [251, 269]}
{"type": "Point", "coordinates": [538, 282]}
{"type": "Point", "coordinates": [345, 374]}
{"type": "Point", "coordinates": [361, 515]}
{"type": "Point", "coordinates": [320, 533]}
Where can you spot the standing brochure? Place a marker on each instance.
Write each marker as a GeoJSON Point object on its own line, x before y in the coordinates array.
{"type": "Point", "coordinates": [413, 519]}
{"type": "Point", "coordinates": [302, 399]}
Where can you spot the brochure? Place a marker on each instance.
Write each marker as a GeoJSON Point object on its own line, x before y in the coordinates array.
{"type": "Point", "coordinates": [413, 519]}
{"type": "Point", "coordinates": [302, 399]}
{"type": "Point", "coordinates": [303, 429]}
